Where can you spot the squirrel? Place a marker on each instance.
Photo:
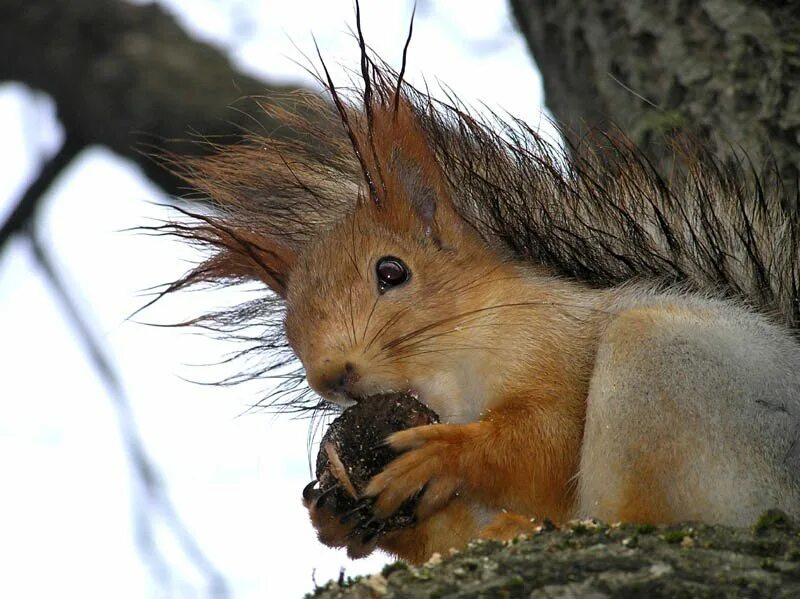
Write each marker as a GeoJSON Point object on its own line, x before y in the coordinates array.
{"type": "Point", "coordinates": [597, 341]}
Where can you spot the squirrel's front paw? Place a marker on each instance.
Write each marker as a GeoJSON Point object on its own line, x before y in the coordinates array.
{"type": "Point", "coordinates": [432, 466]}
{"type": "Point", "coordinates": [356, 529]}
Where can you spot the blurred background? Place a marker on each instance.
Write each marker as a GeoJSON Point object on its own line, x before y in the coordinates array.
{"type": "Point", "coordinates": [120, 476]}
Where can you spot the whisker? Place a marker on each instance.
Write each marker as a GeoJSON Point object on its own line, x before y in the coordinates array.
{"type": "Point", "coordinates": [369, 317]}
{"type": "Point", "coordinates": [455, 318]}
{"type": "Point", "coordinates": [405, 357]}
{"type": "Point", "coordinates": [460, 328]}
{"type": "Point", "coordinates": [352, 322]}
{"type": "Point", "coordinates": [476, 284]}
{"type": "Point", "coordinates": [389, 322]}
{"type": "Point", "coordinates": [480, 279]}
{"type": "Point", "coordinates": [465, 322]}
{"type": "Point", "coordinates": [447, 320]}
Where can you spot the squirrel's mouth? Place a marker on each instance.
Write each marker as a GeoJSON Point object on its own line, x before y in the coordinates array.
{"type": "Point", "coordinates": [343, 400]}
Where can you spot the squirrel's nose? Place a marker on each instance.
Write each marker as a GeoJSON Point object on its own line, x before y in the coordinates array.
{"type": "Point", "coordinates": [339, 379]}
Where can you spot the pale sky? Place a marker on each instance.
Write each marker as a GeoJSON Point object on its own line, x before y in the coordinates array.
{"type": "Point", "coordinates": [66, 524]}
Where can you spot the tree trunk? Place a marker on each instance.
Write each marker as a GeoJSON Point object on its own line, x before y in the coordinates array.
{"type": "Point", "coordinates": [727, 71]}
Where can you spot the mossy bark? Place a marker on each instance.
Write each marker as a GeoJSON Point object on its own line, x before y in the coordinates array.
{"type": "Point", "coordinates": [587, 559]}
{"type": "Point", "coordinates": [727, 71]}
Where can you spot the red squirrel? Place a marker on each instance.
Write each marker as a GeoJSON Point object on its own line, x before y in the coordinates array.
{"type": "Point", "coordinates": [597, 341]}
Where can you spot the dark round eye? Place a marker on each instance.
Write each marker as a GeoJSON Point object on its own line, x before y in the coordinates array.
{"type": "Point", "coordinates": [391, 272]}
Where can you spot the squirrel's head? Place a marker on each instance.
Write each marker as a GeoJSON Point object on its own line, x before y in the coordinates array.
{"type": "Point", "coordinates": [392, 297]}
{"type": "Point", "coordinates": [385, 286]}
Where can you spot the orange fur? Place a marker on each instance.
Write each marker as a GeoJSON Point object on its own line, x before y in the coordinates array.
{"type": "Point", "coordinates": [450, 528]}
{"type": "Point", "coordinates": [507, 526]}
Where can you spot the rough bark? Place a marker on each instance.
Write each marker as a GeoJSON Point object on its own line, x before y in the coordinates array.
{"type": "Point", "coordinates": [586, 559]}
{"type": "Point", "coordinates": [122, 75]}
{"type": "Point", "coordinates": [728, 71]}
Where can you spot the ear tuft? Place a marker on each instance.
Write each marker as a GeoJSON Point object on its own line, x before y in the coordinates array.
{"type": "Point", "coordinates": [416, 193]}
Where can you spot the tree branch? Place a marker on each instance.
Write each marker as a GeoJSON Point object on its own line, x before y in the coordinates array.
{"type": "Point", "coordinates": [24, 212]}
{"type": "Point", "coordinates": [122, 75]}
{"type": "Point", "coordinates": [153, 499]}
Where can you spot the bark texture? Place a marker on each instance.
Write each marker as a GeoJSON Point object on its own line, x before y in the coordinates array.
{"type": "Point", "coordinates": [122, 75]}
{"type": "Point", "coordinates": [728, 71]}
{"type": "Point", "coordinates": [590, 560]}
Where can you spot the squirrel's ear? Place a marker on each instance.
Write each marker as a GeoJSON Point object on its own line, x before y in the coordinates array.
{"type": "Point", "coordinates": [414, 178]}
{"type": "Point", "coordinates": [418, 190]}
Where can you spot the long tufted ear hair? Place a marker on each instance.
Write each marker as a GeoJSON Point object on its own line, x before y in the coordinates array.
{"type": "Point", "coordinates": [411, 193]}
{"type": "Point", "coordinates": [270, 197]}
{"type": "Point", "coordinates": [404, 183]}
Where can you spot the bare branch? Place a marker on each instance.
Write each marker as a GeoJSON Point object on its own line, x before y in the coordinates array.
{"type": "Point", "coordinates": [124, 75]}
{"type": "Point", "coordinates": [155, 501]}
{"type": "Point", "coordinates": [24, 212]}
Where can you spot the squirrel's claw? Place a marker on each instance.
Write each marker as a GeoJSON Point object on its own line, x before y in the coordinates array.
{"type": "Point", "coordinates": [335, 533]}
{"type": "Point", "coordinates": [309, 491]}
{"type": "Point", "coordinates": [362, 506]}
{"type": "Point", "coordinates": [372, 534]}
{"type": "Point", "coordinates": [320, 500]}
{"type": "Point", "coordinates": [367, 529]}
{"type": "Point", "coordinates": [313, 497]}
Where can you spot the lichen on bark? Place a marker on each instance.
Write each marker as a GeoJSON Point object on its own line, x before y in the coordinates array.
{"type": "Point", "coordinates": [591, 559]}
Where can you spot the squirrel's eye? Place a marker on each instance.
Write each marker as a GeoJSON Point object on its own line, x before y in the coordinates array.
{"type": "Point", "coordinates": [391, 272]}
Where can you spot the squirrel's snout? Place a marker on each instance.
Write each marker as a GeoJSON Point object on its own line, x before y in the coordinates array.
{"type": "Point", "coordinates": [336, 380]}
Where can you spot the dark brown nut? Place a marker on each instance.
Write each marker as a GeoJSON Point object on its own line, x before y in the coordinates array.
{"type": "Point", "coordinates": [353, 450]}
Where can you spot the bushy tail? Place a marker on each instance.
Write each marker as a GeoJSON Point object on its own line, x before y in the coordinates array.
{"type": "Point", "coordinates": [601, 214]}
